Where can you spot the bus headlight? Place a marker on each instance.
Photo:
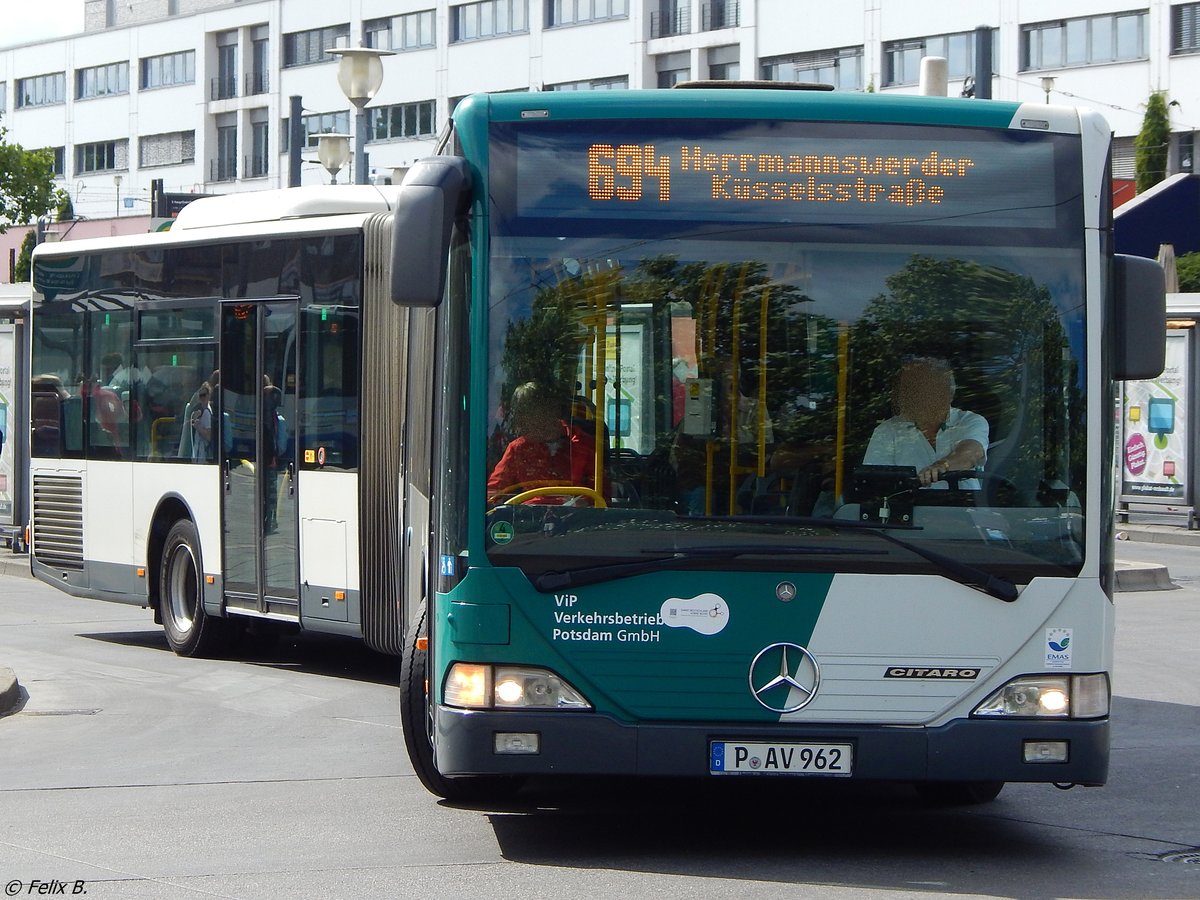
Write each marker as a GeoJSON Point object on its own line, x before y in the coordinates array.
{"type": "Point", "coordinates": [476, 686]}
{"type": "Point", "coordinates": [1050, 696]}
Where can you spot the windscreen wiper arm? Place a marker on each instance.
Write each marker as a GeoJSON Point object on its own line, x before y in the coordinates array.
{"type": "Point", "coordinates": [681, 558]}
{"type": "Point", "coordinates": [963, 573]}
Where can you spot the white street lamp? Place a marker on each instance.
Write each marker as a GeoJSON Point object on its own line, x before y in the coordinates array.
{"type": "Point", "coordinates": [1047, 85]}
{"type": "Point", "coordinates": [360, 73]}
{"type": "Point", "coordinates": [333, 150]}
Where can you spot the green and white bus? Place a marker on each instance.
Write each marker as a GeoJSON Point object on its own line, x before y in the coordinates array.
{"type": "Point", "coordinates": [695, 572]}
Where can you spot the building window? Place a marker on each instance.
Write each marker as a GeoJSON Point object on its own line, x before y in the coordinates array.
{"type": "Point", "coordinates": [902, 59]}
{"type": "Point", "coordinates": [105, 156]}
{"type": "Point", "coordinates": [671, 17]}
{"type": "Point", "coordinates": [578, 12]}
{"type": "Point", "coordinates": [224, 167]}
{"type": "Point", "coordinates": [3, 97]}
{"type": "Point", "coordinates": [168, 69]}
{"type": "Point", "coordinates": [1185, 28]}
{"type": "Point", "coordinates": [489, 18]}
{"type": "Point", "coordinates": [377, 34]}
{"type": "Point", "coordinates": [405, 120]}
{"type": "Point", "coordinates": [1084, 42]}
{"type": "Point", "coordinates": [58, 167]}
{"type": "Point", "coordinates": [303, 48]}
{"type": "Point", "coordinates": [414, 31]}
{"type": "Point", "coordinates": [673, 68]}
{"type": "Point", "coordinates": [716, 14]}
{"type": "Point", "coordinates": [618, 83]}
{"type": "Point", "coordinates": [101, 81]}
{"type": "Point", "coordinates": [411, 31]}
{"type": "Point", "coordinates": [42, 90]}
{"type": "Point", "coordinates": [317, 123]}
{"type": "Point", "coordinates": [724, 63]}
{"type": "Point", "coordinates": [260, 158]}
{"type": "Point", "coordinates": [173, 149]}
{"type": "Point", "coordinates": [224, 86]}
{"type": "Point", "coordinates": [843, 68]}
{"type": "Point", "coordinates": [258, 79]}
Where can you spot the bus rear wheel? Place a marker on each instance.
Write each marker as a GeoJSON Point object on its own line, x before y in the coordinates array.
{"type": "Point", "coordinates": [959, 793]}
{"type": "Point", "coordinates": [189, 629]}
{"type": "Point", "coordinates": [416, 719]}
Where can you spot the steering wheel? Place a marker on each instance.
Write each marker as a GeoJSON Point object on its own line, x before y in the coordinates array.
{"type": "Point", "coordinates": [557, 490]}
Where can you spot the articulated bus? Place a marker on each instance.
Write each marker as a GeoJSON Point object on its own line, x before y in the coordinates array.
{"type": "Point", "coordinates": [579, 422]}
{"type": "Point", "coordinates": [713, 290]}
{"type": "Point", "coordinates": [282, 511]}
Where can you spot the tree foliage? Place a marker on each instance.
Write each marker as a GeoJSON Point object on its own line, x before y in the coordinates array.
{"type": "Point", "coordinates": [21, 271]}
{"type": "Point", "coordinates": [26, 184]}
{"type": "Point", "coordinates": [1152, 143]}
{"type": "Point", "coordinates": [1187, 267]}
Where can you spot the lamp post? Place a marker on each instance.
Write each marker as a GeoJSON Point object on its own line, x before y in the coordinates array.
{"type": "Point", "coordinates": [360, 73]}
{"type": "Point", "coordinates": [333, 150]}
{"type": "Point", "coordinates": [1047, 85]}
{"type": "Point", "coordinates": [117, 182]}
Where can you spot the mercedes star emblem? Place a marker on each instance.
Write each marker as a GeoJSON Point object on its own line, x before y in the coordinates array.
{"type": "Point", "coordinates": [784, 677]}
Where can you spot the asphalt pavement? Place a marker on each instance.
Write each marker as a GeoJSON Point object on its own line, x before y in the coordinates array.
{"type": "Point", "coordinates": [1131, 576]}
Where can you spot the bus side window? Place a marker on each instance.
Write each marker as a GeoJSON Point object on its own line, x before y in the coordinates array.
{"type": "Point", "coordinates": [46, 418]}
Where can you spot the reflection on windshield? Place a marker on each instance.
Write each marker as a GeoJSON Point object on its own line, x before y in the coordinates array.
{"type": "Point", "coordinates": [711, 381]}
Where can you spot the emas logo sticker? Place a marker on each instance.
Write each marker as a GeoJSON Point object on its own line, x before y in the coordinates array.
{"type": "Point", "coordinates": [1058, 648]}
{"type": "Point", "coordinates": [705, 613]}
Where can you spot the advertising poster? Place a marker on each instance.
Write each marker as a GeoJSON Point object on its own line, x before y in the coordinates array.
{"type": "Point", "coordinates": [1154, 430]}
{"type": "Point", "coordinates": [8, 368]}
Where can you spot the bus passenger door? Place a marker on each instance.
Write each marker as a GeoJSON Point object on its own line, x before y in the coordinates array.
{"type": "Point", "coordinates": [258, 415]}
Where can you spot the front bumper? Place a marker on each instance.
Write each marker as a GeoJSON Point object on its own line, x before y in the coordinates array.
{"type": "Point", "coordinates": [589, 744]}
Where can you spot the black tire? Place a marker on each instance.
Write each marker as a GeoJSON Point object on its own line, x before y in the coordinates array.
{"type": "Point", "coordinates": [190, 630]}
{"type": "Point", "coordinates": [417, 724]}
{"type": "Point", "coordinates": [959, 793]}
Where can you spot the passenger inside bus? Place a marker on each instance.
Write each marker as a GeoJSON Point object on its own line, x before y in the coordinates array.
{"type": "Point", "coordinates": [927, 432]}
{"type": "Point", "coordinates": [545, 451]}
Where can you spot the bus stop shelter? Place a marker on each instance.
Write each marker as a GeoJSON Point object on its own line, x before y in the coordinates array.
{"type": "Point", "coordinates": [14, 382]}
{"type": "Point", "coordinates": [1158, 430]}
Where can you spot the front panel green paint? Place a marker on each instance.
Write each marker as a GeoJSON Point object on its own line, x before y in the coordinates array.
{"type": "Point", "coordinates": [614, 641]}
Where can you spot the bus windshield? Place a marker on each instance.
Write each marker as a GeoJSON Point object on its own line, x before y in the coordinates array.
{"type": "Point", "coordinates": [754, 347]}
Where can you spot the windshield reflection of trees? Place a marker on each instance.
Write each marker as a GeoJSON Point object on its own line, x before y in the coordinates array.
{"type": "Point", "coordinates": [826, 382]}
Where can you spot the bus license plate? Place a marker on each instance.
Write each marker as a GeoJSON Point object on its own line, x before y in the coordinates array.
{"type": "Point", "coordinates": [745, 758]}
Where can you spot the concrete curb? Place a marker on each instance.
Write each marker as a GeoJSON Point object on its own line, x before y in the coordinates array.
{"type": "Point", "coordinates": [1163, 534]}
{"type": "Point", "coordinates": [10, 691]}
{"type": "Point", "coordinates": [1134, 576]}
{"type": "Point", "coordinates": [15, 565]}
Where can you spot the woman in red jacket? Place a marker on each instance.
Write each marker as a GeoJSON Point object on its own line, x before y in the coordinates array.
{"type": "Point", "coordinates": [546, 451]}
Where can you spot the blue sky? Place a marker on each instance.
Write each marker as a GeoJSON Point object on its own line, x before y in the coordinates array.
{"type": "Point", "coordinates": [33, 21]}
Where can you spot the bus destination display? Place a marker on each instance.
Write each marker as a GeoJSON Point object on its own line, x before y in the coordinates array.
{"type": "Point", "coordinates": [759, 178]}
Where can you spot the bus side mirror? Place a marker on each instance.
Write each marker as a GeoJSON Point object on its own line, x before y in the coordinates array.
{"type": "Point", "coordinates": [1139, 326]}
{"type": "Point", "coordinates": [435, 191]}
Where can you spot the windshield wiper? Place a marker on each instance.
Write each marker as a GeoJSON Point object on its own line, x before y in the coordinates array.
{"type": "Point", "coordinates": [677, 559]}
{"type": "Point", "coordinates": [963, 573]}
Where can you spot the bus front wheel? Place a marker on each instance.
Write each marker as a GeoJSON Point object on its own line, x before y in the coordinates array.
{"type": "Point", "coordinates": [189, 630]}
{"type": "Point", "coordinates": [416, 719]}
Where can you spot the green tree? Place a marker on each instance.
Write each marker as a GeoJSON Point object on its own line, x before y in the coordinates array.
{"type": "Point", "coordinates": [1188, 268]}
{"type": "Point", "coordinates": [1152, 143]}
{"type": "Point", "coordinates": [24, 258]}
{"type": "Point", "coordinates": [26, 183]}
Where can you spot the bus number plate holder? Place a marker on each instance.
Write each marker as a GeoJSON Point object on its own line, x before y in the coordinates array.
{"type": "Point", "coordinates": [757, 758]}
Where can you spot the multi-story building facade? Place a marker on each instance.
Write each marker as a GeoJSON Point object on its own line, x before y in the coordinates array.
{"type": "Point", "coordinates": [196, 93]}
